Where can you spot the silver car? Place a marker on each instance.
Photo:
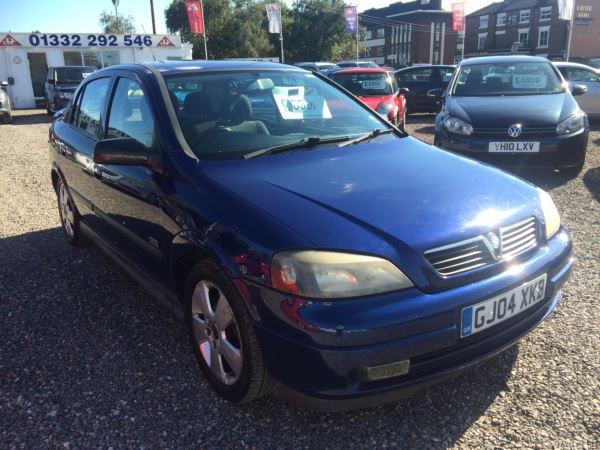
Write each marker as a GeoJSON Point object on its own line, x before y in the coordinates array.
{"type": "Point", "coordinates": [588, 76]}
{"type": "Point", "coordinates": [5, 109]}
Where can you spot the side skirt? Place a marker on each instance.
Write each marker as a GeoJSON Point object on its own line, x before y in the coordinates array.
{"type": "Point", "coordinates": [160, 294]}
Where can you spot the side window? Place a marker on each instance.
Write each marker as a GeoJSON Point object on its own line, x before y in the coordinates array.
{"type": "Point", "coordinates": [89, 106]}
{"type": "Point", "coordinates": [585, 75]}
{"type": "Point", "coordinates": [421, 75]}
{"type": "Point", "coordinates": [446, 74]}
{"type": "Point", "coordinates": [130, 114]}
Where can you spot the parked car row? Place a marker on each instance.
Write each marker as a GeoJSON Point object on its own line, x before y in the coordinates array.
{"type": "Point", "coordinates": [313, 249]}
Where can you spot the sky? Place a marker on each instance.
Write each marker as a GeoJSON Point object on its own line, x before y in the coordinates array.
{"type": "Point", "coordinates": [82, 16]}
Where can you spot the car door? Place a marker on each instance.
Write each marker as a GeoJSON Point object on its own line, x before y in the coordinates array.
{"type": "Point", "coordinates": [419, 81]}
{"type": "Point", "coordinates": [590, 101]}
{"type": "Point", "coordinates": [132, 200]}
{"type": "Point", "coordinates": [75, 137]}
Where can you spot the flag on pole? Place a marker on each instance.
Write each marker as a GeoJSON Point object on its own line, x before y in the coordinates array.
{"type": "Point", "coordinates": [458, 16]}
{"type": "Point", "coordinates": [274, 16]}
{"type": "Point", "coordinates": [195, 16]}
{"type": "Point", "coordinates": [351, 18]}
{"type": "Point", "coordinates": [565, 9]}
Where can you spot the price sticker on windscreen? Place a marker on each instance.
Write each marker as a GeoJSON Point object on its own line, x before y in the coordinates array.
{"type": "Point", "coordinates": [373, 84]}
{"type": "Point", "coordinates": [531, 81]}
{"type": "Point", "coordinates": [296, 103]}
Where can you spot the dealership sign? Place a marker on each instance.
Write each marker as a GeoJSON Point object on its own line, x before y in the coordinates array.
{"type": "Point", "coordinates": [88, 40]}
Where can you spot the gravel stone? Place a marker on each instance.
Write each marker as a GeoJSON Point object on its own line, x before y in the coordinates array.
{"type": "Point", "coordinates": [88, 360]}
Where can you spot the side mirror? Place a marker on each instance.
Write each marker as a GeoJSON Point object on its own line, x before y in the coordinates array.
{"type": "Point", "coordinates": [58, 114]}
{"type": "Point", "coordinates": [125, 152]}
{"type": "Point", "coordinates": [578, 89]}
{"type": "Point", "coordinates": [3, 84]}
{"type": "Point", "coordinates": [404, 91]}
{"type": "Point", "coordinates": [437, 93]}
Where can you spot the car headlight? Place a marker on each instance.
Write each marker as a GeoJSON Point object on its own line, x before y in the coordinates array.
{"type": "Point", "coordinates": [572, 124]}
{"type": "Point", "coordinates": [65, 95]}
{"type": "Point", "coordinates": [323, 274]}
{"type": "Point", "coordinates": [456, 125]}
{"type": "Point", "coordinates": [551, 215]}
{"type": "Point", "coordinates": [384, 108]}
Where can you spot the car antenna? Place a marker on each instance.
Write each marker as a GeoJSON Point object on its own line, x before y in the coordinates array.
{"type": "Point", "coordinates": [151, 51]}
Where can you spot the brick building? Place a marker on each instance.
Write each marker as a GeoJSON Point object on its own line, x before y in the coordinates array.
{"type": "Point", "coordinates": [535, 26]}
{"type": "Point", "coordinates": [407, 33]}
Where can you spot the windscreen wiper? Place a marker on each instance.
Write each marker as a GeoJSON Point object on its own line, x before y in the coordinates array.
{"type": "Point", "coordinates": [367, 136]}
{"type": "Point", "coordinates": [306, 142]}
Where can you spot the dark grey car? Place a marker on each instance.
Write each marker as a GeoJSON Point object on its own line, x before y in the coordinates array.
{"type": "Point", "coordinates": [61, 83]}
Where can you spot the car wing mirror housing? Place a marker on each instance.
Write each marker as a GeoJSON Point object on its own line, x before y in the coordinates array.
{"type": "Point", "coordinates": [578, 89]}
{"type": "Point", "coordinates": [404, 91]}
{"type": "Point", "coordinates": [58, 114]}
{"type": "Point", "coordinates": [126, 152]}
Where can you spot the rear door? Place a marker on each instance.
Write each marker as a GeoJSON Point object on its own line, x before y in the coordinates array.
{"type": "Point", "coordinates": [419, 81]}
{"type": "Point", "coordinates": [76, 135]}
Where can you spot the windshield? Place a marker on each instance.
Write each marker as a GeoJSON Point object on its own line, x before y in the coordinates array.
{"type": "Point", "coordinates": [327, 66]}
{"type": "Point", "coordinates": [72, 74]}
{"type": "Point", "coordinates": [226, 115]}
{"type": "Point", "coordinates": [521, 78]}
{"type": "Point", "coordinates": [365, 84]}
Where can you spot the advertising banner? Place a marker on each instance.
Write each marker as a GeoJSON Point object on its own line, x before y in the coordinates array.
{"type": "Point", "coordinates": [274, 16]}
{"type": "Point", "coordinates": [90, 40]}
{"type": "Point", "coordinates": [351, 18]}
{"type": "Point", "coordinates": [458, 16]}
{"type": "Point", "coordinates": [195, 16]}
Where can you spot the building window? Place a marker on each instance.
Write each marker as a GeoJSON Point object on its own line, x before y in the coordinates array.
{"type": "Point", "coordinates": [483, 21]}
{"type": "Point", "coordinates": [369, 34]}
{"type": "Point", "coordinates": [546, 13]}
{"type": "Point", "coordinates": [524, 15]}
{"type": "Point", "coordinates": [482, 41]}
{"type": "Point", "coordinates": [524, 38]}
{"type": "Point", "coordinates": [501, 19]}
{"type": "Point", "coordinates": [543, 37]}
{"type": "Point", "coordinates": [380, 51]}
{"type": "Point", "coordinates": [92, 58]}
{"type": "Point", "coordinates": [380, 33]}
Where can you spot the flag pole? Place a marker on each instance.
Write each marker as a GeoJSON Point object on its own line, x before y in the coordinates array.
{"type": "Point", "coordinates": [570, 32]}
{"type": "Point", "coordinates": [462, 56]}
{"type": "Point", "coordinates": [281, 33]}
{"type": "Point", "coordinates": [204, 29]}
{"type": "Point", "coordinates": [357, 37]}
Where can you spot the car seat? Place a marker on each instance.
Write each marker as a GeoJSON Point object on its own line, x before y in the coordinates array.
{"type": "Point", "coordinates": [240, 115]}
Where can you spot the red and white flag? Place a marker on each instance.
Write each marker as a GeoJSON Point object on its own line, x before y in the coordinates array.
{"type": "Point", "coordinates": [274, 16]}
{"type": "Point", "coordinates": [195, 16]}
{"type": "Point", "coordinates": [458, 16]}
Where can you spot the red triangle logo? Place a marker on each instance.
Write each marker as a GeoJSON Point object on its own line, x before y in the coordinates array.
{"type": "Point", "coordinates": [165, 42]}
{"type": "Point", "coordinates": [9, 41]}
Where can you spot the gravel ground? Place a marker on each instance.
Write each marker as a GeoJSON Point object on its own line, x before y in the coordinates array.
{"type": "Point", "coordinates": [87, 360]}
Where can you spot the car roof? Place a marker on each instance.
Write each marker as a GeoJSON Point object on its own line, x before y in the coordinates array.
{"type": "Point", "coordinates": [363, 70]}
{"type": "Point", "coordinates": [73, 67]}
{"type": "Point", "coordinates": [426, 66]}
{"type": "Point", "coordinates": [316, 63]}
{"type": "Point", "coordinates": [571, 64]}
{"type": "Point", "coordinates": [503, 59]}
{"type": "Point", "coordinates": [170, 67]}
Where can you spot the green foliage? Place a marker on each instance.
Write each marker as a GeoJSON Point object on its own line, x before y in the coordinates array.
{"type": "Point", "coordinates": [114, 24]}
{"type": "Point", "coordinates": [313, 30]}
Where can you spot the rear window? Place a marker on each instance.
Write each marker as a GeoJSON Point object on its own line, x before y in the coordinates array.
{"type": "Point", "coordinates": [366, 84]}
{"type": "Point", "coordinates": [521, 78]}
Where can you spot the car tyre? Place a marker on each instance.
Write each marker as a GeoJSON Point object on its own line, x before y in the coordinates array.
{"type": "Point", "coordinates": [69, 217]}
{"type": "Point", "coordinates": [223, 336]}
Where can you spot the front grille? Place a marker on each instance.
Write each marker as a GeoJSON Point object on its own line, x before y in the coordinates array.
{"type": "Point", "coordinates": [518, 238]}
{"type": "Point", "coordinates": [460, 257]}
{"type": "Point", "coordinates": [480, 251]}
{"type": "Point", "coordinates": [527, 132]}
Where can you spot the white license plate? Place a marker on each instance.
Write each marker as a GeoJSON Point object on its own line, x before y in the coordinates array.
{"type": "Point", "coordinates": [476, 318]}
{"type": "Point", "coordinates": [514, 147]}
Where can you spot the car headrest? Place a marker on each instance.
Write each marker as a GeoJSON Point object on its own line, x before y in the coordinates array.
{"type": "Point", "coordinates": [475, 77]}
{"type": "Point", "coordinates": [241, 110]}
{"type": "Point", "coordinates": [197, 103]}
{"type": "Point", "coordinates": [174, 101]}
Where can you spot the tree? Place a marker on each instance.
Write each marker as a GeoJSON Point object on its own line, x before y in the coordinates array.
{"type": "Point", "coordinates": [114, 24]}
{"type": "Point", "coordinates": [233, 28]}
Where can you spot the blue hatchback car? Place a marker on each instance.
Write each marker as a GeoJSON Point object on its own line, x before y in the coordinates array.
{"type": "Point", "coordinates": [313, 250]}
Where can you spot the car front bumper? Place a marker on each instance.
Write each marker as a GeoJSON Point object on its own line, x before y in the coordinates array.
{"type": "Point", "coordinates": [318, 352]}
{"type": "Point", "coordinates": [555, 151]}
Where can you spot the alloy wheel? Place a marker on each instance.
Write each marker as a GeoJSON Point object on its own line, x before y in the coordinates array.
{"type": "Point", "coordinates": [66, 211]}
{"type": "Point", "coordinates": [216, 332]}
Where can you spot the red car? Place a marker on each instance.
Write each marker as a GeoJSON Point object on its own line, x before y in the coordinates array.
{"type": "Point", "coordinates": [378, 89]}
